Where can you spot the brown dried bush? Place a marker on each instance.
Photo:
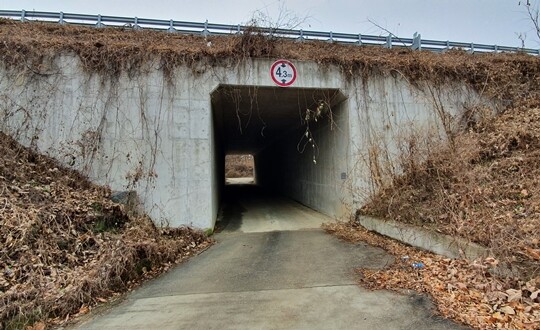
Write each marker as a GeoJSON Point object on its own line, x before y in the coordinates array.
{"type": "Point", "coordinates": [33, 46]}
{"type": "Point", "coordinates": [484, 188]}
{"type": "Point", "coordinates": [238, 166]}
{"type": "Point", "coordinates": [65, 246]}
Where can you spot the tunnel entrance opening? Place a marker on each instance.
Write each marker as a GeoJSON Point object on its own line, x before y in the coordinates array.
{"type": "Point", "coordinates": [299, 141]}
{"type": "Point", "coordinates": [239, 169]}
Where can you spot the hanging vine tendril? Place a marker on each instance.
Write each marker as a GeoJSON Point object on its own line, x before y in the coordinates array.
{"type": "Point", "coordinates": [308, 138]}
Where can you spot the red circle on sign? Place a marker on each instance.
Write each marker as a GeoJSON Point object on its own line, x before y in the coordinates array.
{"type": "Point", "coordinates": [285, 80]}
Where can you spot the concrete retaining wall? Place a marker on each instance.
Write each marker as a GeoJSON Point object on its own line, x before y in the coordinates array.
{"type": "Point", "coordinates": [452, 247]}
{"type": "Point", "coordinates": [157, 135]}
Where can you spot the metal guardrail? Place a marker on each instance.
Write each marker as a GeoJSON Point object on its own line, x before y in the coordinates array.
{"type": "Point", "coordinates": [416, 42]}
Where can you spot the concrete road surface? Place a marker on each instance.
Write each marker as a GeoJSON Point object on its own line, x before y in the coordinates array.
{"type": "Point", "coordinates": [257, 277]}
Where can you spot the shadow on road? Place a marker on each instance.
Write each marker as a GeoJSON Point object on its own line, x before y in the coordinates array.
{"type": "Point", "coordinates": [252, 208]}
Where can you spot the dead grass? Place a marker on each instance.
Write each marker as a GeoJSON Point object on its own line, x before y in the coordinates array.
{"type": "Point", "coordinates": [64, 246]}
{"type": "Point", "coordinates": [32, 46]}
{"type": "Point", "coordinates": [485, 188]}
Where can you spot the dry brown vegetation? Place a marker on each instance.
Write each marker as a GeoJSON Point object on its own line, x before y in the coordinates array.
{"type": "Point", "coordinates": [462, 290]}
{"type": "Point", "coordinates": [238, 166]}
{"type": "Point", "coordinates": [484, 188]}
{"type": "Point", "coordinates": [31, 46]}
{"type": "Point", "coordinates": [65, 246]}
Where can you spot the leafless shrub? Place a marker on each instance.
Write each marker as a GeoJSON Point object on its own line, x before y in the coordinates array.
{"type": "Point", "coordinates": [239, 166]}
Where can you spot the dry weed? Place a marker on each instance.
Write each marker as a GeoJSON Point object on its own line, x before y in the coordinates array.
{"type": "Point", "coordinates": [33, 46]}
{"type": "Point", "coordinates": [64, 246]}
{"type": "Point", "coordinates": [484, 189]}
{"type": "Point", "coordinates": [463, 291]}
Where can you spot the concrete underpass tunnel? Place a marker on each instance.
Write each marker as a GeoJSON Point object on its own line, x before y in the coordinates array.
{"type": "Point", "coordinates": [298, 137]}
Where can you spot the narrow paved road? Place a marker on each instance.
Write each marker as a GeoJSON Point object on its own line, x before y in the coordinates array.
{"type": "Point", "coordinates": [272, 268]}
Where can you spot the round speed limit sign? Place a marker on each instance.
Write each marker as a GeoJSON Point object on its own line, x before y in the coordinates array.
{"type": "Point", "coordinates": [283, 73]}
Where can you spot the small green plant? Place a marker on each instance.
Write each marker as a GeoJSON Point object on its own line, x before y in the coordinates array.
{"type": "Point", "coordinates": [107, 223]}
{"type": "Point", "coordinates": [97, 207]}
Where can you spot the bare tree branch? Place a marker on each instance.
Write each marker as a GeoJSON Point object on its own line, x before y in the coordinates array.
{"type": "Point", "coordinates": [386, 30]}
{"type": "Point", "coordinates": [534, 15]}
{"type": "Point", "coordinates": [285, 19]}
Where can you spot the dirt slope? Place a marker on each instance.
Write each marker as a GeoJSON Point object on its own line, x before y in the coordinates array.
{"type": "Point", "coordinates": [484, 188]}
{"type": "Point", "coordinates": [64, 246]}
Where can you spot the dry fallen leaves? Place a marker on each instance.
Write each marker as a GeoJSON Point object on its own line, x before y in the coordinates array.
{"type": "Point", "coordinates": [37, 326]}
{"type": "Point", "coordinates": [462, 290]}
{"type": "Point", "coordinates": [64, 246]}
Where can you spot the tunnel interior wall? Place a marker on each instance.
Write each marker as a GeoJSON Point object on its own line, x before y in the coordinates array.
{"type": "Point", "coordinates": [311, 172]}
{"type": "Point", "coordinates": [217, 170]}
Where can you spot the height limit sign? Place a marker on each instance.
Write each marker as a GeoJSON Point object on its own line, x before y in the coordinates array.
{"type": "Point", "coordinates": [283, 73]}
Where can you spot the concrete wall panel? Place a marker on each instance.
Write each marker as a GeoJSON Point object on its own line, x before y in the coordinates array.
{"type": "Point", "coordinates": [141, 132]}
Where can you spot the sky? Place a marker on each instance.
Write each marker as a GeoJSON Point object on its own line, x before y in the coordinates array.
{"type": "Point", "coordinates": [479, 21]}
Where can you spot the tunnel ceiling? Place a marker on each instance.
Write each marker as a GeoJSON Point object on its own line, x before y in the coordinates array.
{"type": "Point", "coordinates": [248, 118]}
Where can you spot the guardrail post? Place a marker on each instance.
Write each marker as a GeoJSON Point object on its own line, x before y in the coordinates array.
{"type": "Point", "coordinates": [99, 24]}
{"type": "Point", "coordinates": [496, 49]}
{"type": "Point", "coordinates": [23, 15]}
{"type": "Point", "coordinates": [447, 45]}
{"type": "Point", "coordinates": [61, 21]}
{"type": "Point", "coordinates": [301, 37]}
{"type": "Point", "coordinates": [238, 30]}
{"type": "Point", "coordinates": [171, 28]}
{"type": "Point", "coordinates": [359, 42]}
{"type": "Point", "coordinates": [136, 24]}
{"type": "Point", "coordinates": [471, 50]}
{"type": "Point", "coordinates": [205, 31]}
{"type": "Point", "coordinates": [388, 43]}
{"type": "Point", "coordinates": [417, 41]}
{"type": "Point", "coordinates": [331, 37]}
